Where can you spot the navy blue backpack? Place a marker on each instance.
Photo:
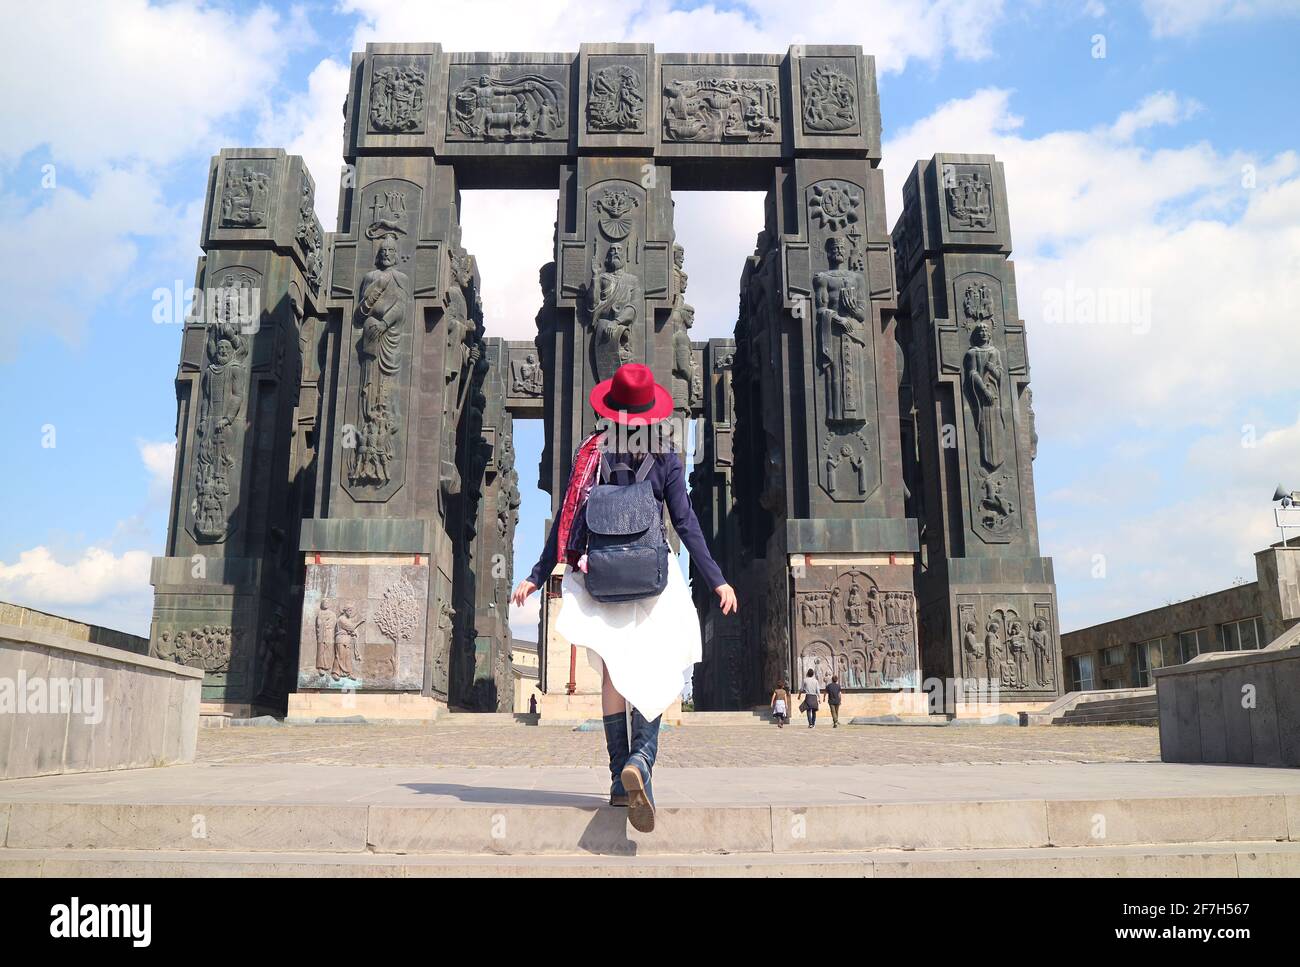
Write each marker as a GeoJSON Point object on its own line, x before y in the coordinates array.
{"type": "Point", "coordinates": [627, 540]}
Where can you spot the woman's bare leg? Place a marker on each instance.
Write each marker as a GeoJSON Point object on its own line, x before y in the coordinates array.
{"type": "Point", "coordinates": [611, 702]}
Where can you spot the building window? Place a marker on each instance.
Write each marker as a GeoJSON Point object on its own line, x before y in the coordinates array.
{"type": "Point", "coordinates": [1245, 635]}
{"type": "Point", "coordinates": [1150, 655]}
{"type": "Point", "coordinates": [1190, 644]}
{"type": "Point", "coordinates": [1113, 655]}
{"type": "Point", "coordinates": [1081, 673]}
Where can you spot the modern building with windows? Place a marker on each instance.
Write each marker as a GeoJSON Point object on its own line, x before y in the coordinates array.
{"type": "Point", "coordinates": [1122, 653]}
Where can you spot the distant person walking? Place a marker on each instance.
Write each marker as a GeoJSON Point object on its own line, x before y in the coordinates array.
{"type": "Point", "coordinates": [781, 705]}
{"type": "Point", "coordinates": [833, 700]}
{"type": "Point", "coordinates": [811, 697]}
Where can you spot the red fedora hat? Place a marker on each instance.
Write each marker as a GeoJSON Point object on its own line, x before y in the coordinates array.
{"type": "Point", "coordinates": [632, 396]}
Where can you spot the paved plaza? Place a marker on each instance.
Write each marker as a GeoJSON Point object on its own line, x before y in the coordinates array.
{"type": "Point", "coordinates": [695, 746]}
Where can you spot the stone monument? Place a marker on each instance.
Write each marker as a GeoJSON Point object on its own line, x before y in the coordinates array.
{"type": "Point", "coordinates": [346, 484]}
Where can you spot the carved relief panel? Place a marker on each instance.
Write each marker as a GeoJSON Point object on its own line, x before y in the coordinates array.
{"type": "Point", "coordinates": [988, 391]}
{"type": "Point", "coordinates": [397, 95]}
{"type": "Point", "coordinates": [363, 626]}
{"type": "Point", "coordinates": [968, 201]}
{"type": "Point", "coordinates": [848, 623]}
{"type": "Point", "coordinates": [616, 93]}
{"type": "Point", "coordinates": [843, 340]}
{"type": "Point", "coordinates": [720, 103]}
{"type": "Point", "coordinates": [1007, 644]}
{"type": "Point", "coordinates": [495, 102]}
{"type": "Point", "coordinates": [378, 339]}
{"type": "Point", "coordinates": [231, 315]}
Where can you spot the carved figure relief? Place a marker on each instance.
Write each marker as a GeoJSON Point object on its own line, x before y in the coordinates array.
{"type": "Point", "coordinates": [721, 109]}
{"type": "Point", "coordinates": [863, 634]}
{"type": "Point", "coordinates": [834, 206]}
{"type": "Point", "coordinates": [526, 376]}
{"type": "Point", "coordinates": [223, 388]}
{"type": "Point", "coordinates": [969, 198]}
{"type": "Point", "coordinates": [846, 473]}
{"type": "Point", "coordinates": [310, 235]}
{"type": "Point", "coordinates": [615, 100]}
{"type": "Point", "coordinates": [844, 348]}
{"type": "Point", "coordinates": [380, 315]}
{"type": "Point", "coordinates": [1005, 651]}
{"type": "Point", "coordinates": [830, 101]}
{"type": "Point", "coordinates": [208, 648]}
{"type": "Point", "coordinates": [397, 99]}
{"type": "Point", "coordinates": [500, 107]}
{"type": "Point", "coordinates": [983, 377]}
{"type": "Point", "coordinates": [615, 302]}
{"type": "Point", "coordinates": [245, 196]}
{"type": "Point", "coordinates": [463, 353]}
{"type": "Point", "coordinates": [688, 381]}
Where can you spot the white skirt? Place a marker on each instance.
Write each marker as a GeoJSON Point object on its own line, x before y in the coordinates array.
{"type": "Point", "coordinates": [649, 646]}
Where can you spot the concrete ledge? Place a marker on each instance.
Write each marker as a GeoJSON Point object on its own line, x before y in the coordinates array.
{"type": "Point", "coordinates": [1195, 859]}
{"type": "Point", "coordinates": [192, 826]}
{"type": "Point", "coordinates": [948, 825]}
{"type": "Point", "coordinates": [1168, 820]}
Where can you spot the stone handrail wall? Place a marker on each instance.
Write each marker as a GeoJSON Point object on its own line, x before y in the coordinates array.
{"type": "Point", "coordinates": [71, 706]}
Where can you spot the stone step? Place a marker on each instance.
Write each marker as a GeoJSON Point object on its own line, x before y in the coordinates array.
{"type": "Point", "coordinates": [1110, 705]}
{"type": "Point", "coordinates": [1112, 718]}
{"type": "Point", "coordinates": [478, 827]}
{"type": "Point", "coordinates": [1244, 859]}
{"type": "Point", "coordinates": [725, 718]}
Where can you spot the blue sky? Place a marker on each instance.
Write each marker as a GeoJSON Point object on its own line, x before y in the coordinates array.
{"type": "Point", "coordinates": [1165, 172]}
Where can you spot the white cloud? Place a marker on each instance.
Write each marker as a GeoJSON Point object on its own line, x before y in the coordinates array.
{"type": "Point", "coordinates": [98, 583]}
{"type": "Point", "coordinates": [98, 231]}
{"type": "Point", "coordinates": [896, 31]}
{"type": "Point", "coordinates": [103, 82]}
{"type": "Point", "coordinates": [1182, 18]}
{"type": "Point", "coordinates": [159, 459]}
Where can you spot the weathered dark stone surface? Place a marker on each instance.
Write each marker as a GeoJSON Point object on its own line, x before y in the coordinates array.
{"type": "Point", "coordinates": [987, 599]}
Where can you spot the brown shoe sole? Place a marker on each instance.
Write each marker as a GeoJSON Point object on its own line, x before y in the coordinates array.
{"type": "Point", "coordinates": [640, 812]}
{"type": "Point", "coordinates": [618, 800]}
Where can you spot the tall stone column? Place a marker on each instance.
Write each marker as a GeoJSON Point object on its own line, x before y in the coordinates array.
{"type": "Point", "coordinates": [729, 672]}
{"type": "Point", "coordinates": [403, 358]}
{"type": "Point", "coordinates": [988, 597]}
{"type": "Point", "coordinates": [818, 467]}
{"type": "Point", "coordinates": [227, 590]}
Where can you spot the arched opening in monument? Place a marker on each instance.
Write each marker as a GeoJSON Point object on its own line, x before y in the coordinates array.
{"type": "Point", "coordinates": [511, 234]}
{"type": "Point", "coordinates": [717, 232]}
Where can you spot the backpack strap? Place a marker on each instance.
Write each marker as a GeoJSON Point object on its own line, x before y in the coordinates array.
{"type": "Point", "coordinates": [643, 471]}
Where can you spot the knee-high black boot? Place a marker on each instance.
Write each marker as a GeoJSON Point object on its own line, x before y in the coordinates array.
{"type": "Point", "coordinates": [616, 743]}
{"type": "Point", "coordinates": [636, 774]}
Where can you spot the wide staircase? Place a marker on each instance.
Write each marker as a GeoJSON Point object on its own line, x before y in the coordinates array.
{"type": "Point", "coordinates": [1133, 819]}
{"type": "Point", "coordinates": [1136, 709]}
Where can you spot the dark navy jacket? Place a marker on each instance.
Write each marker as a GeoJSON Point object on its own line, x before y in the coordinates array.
{"type": "Point", "coordinates": [668, 478]}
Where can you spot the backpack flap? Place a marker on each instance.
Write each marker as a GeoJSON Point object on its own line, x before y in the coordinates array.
{"type": "Point", "coordinates": [622, 511]}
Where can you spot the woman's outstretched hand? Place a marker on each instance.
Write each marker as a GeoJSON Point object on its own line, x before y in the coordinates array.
{"type": "Point", "coordinates": [726, 597]}
{"type": "Point", "coordinates": [522, 591]}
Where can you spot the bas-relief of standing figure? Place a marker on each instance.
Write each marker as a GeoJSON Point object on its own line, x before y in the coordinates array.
{"type": "Point", "coordinates": [687, 382]}
{"type": "Point", "coordinates": [221, 404]}
{"type": "Point", "coordinates": [326, 618]}
{"type": "Point", "coordinates": [842, 336]}
{"type": "Point", "coordinates": [993, 651]}
{"type": "Point", "coordinates": [615, 300]}
{"type": "Point", "coordinates": [462, 357]}
{"type": "Point", "coordinates": [971, 646]}
{"type": "Point", "coordinates": [1039, 639]}
{"type": "Point", "coordinates": [380, 314]}
{"type": "Point", "coordinates": [345, 642]}
{"type": "Point", "coordinates": [983, 371]}
{"type": "Point", "coordinates": [1018, 667]}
